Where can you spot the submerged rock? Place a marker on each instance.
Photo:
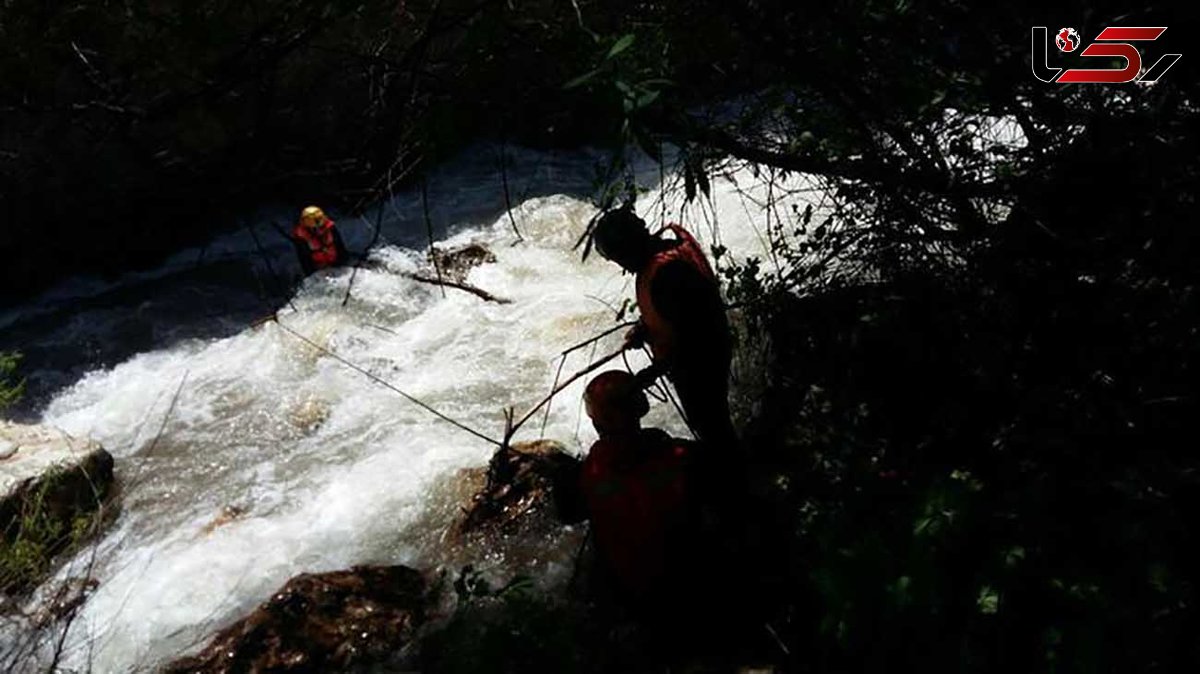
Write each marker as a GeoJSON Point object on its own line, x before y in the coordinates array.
{"type": "Point", "coordinates": [53, 489]}
{"type": "Point", "coordinates": [64, 600]}
{"type": "Point", "coordinates": [309, 414]}
{"type": "Point", "coordinates": [321, 622]}
{"type": "Point", "coordinates": [528, 484]}
{"type": "Point", "coordinates": [455, 263]}
{"type": "Point", "coordinates": [230, 513]}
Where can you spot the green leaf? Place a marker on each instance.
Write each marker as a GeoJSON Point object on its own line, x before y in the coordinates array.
{"type": "Point", "coordinates": [582, 79]}
{"type": "Point", "coordinates": [647, 98]}
{"type": "Point", "coordinates": [988, 600]}
{"type": "Point", "coordinates": [622, 44]}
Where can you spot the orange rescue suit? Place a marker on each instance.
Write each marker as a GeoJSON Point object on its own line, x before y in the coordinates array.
{"type": "Point", "coordinates": [660, 334]}
{"type": "Point", "coordinates": [636, 492]}
{"type": "Point", "coordinates": [322, 246]}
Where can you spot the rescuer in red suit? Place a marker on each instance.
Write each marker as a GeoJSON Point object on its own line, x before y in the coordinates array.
{"type": "Point", "coordinates": [635, 487]}
{"type": "Point", "coordinates": [318, 244]}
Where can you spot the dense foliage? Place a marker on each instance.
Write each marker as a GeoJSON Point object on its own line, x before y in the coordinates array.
{"type": "Point", "coordinates": [976, 440]}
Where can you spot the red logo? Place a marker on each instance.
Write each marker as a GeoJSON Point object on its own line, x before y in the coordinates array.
{"type": "Point", "coordinates": [1067, 39]}
{"type": "Point", "coordinates": [1111, 42]}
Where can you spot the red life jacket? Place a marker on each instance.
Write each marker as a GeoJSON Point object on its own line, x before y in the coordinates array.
{"type": "Point", "coordinates": [660, 333]}
{"type": "Point", "coordinates": [321, 246]}
{"type": "Point", "coordinates": [636, 494]}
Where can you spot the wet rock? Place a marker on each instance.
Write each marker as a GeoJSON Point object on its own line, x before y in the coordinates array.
{"type": "Point", "coordinates": [321, 622]}
{"type": "Point", "coordinates": [30, 455]}
{"type": "Point", "coordinates": [526, 483]}
{"type": "Point", "coordinates": [228, 514]}
{"type": "Point", "coordinates": [62, 603]}
{"type": "Point", "coordinates": [455, 263]}
{"type": "Point", "coordinates": [52, 489]}
{"type": "Point", "coordinates": [309, 414]}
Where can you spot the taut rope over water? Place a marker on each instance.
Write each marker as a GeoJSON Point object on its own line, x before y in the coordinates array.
{"type": "Point", "coordinates": [383, 382]}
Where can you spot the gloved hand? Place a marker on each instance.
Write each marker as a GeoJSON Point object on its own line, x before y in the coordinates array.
{"type": "Point", "coordinates": [645, 378]}
{"type": "Point", "coordinates": [636, 337]}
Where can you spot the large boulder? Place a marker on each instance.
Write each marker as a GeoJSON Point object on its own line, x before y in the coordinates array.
{"type": "Point", "coordinates": [321, 622]}
{"type": "Point", "coordinates": [531, 484]}
{"type": "Point", "coordinates": [511, 516]}
{"type": "Point", "coordinates": [53, 489]}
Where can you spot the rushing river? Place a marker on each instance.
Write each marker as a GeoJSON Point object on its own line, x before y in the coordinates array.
{"type": "Point", "coordinates": [320, 467]}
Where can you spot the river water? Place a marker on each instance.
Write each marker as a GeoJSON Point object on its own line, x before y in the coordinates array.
{"type": "Point", "coordinates": [315, 466]}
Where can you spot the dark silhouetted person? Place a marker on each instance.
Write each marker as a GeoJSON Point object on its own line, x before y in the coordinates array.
{"type": "Point", "coordinates": [682, 319]}
{"type": "Point", "coordinates": [636, 491]}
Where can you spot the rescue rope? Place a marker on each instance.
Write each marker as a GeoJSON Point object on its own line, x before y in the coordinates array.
{"type": "Point", "coordinates": [386, 384]}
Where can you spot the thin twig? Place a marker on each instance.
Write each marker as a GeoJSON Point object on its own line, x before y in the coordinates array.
{"type": "Point", "coordinates": [374, 239]}
{"type": "Point", "coordinates": [437, 267]}
{"type": "Point", "coordinates": [507, 197]}
{"type": "Point", "coordinates": [600, 336]}
{"type": "Point", "coordinates": [546, 417]}
{"type": "Point", "coordinates": [590, 368]}
{"type": "Point", "coordinates": [270, 268]}
{"type": "Point", "coordinates": [167, 417]}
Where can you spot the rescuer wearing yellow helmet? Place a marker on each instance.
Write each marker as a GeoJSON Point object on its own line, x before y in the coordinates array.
{"type": "Point", "coordinates": [317, 242]}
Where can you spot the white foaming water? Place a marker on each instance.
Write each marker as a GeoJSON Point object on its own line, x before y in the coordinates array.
{"type": "Point", "coordinates": [329, 467]}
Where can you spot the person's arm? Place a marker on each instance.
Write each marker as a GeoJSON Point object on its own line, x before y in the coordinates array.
{"type": "Point", "coordinates": [303, 255]}
{"type": "Point", "coordinates": [342, 256]}
{"type": "Point", "coordinates": [635, 338]}
{"type": "Point", "coordinates": [646, 376]}
{"type": "Point", "coordinates": [569, 499]}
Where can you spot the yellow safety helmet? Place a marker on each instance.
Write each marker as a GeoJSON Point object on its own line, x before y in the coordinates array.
{"type": "Point", "coordinates": [312, 216]}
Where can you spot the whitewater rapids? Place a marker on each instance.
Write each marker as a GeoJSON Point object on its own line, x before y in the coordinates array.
{"type": "Point", "coordinates": [321, 467]}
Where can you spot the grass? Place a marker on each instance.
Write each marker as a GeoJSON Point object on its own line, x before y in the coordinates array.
{"type": "Point", "coordinates": [42, 528]}
{"type": "Point", "coordinates": [11, 388]}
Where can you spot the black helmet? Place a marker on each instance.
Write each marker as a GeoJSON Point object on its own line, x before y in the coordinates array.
{"type": "Point", "coordinates": [620, 236]}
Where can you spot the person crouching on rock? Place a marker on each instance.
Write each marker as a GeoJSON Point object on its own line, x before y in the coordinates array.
{"type": "Point", "coordinates": [635, 487]}
{"type": "Point", "coordinates": [682, 319]}
{"type": "Point", "coordinates": [318, 244]}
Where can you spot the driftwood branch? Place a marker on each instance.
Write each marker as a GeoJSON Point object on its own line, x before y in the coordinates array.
{"type": "Point", "coordinates": [467, 287]}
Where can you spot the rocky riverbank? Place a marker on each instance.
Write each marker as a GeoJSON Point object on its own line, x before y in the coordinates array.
{"type": "Point", "coordinates": [368, 615]}
{"type": "Point", "coordinates": [54, 492]}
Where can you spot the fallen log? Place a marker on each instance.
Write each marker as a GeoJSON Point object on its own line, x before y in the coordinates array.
{"type": "Point", "coordinates": [479, 292]}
